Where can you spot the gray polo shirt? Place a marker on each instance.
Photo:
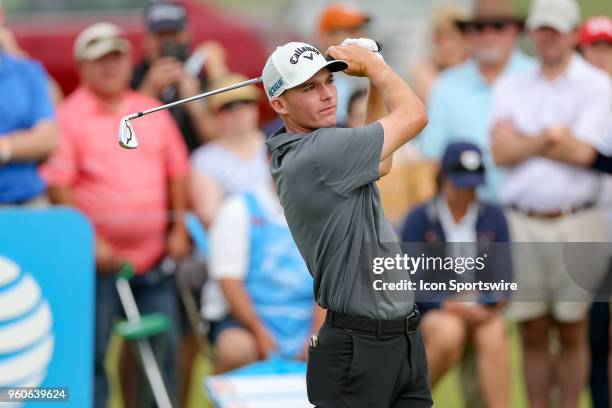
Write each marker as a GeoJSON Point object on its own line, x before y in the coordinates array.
{"type": "Point", "coordinates": [325, 180]}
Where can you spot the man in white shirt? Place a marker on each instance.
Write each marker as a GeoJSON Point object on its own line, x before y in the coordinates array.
{"type": "Point", "coordinates": [550, 201]}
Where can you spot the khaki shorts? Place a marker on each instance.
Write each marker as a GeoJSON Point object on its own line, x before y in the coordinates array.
{"type": "Point", "coordinates": [544, 284]}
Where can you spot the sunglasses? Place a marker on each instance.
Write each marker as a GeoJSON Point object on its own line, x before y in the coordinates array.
{"type": "Point", "coordinates": [481, 26]}
{"type": "Point", "coordinates": [234, 104]}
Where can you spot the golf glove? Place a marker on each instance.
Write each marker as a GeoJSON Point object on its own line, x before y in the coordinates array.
{"type": "Point", "coordinates": [365, 42]}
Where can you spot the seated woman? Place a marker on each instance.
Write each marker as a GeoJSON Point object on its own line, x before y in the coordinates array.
{"type": "Point", "coordinates": [267, 307]}
{"type": "Point", "coordinates": [455, 215]}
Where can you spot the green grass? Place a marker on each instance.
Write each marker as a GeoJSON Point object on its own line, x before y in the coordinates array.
{"type": "Point", "coordinates": [588, 7]}
{"type": "Point", "coordinates": [448, 393]}
{"type": "Point", "coordinates": [197, 395]}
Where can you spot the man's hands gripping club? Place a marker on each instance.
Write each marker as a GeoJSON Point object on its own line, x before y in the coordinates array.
{"type": "Point", "coordinates": [360, 54]}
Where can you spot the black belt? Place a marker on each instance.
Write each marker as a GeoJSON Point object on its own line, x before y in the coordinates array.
{"type": "Point", "coordinates": [397, 326]}
{"type": "Point", "coordinates": [554, 213]}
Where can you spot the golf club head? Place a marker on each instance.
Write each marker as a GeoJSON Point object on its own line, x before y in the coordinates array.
{"type": "Point", "coordinates": [127, 135]}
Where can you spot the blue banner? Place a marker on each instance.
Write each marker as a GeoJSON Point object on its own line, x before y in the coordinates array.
{"type": "Point", "coordinates": [47, 304]}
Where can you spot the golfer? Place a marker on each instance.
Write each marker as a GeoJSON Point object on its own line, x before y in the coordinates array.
{"type": "Point", "coordinates": [369, 352]}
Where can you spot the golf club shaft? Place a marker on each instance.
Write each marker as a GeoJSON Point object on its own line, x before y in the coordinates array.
{"type": "Point", "coordinates": [154, 376]}
{"type": "Point", "coordinates": [158, 387]}
{"type": "Point", "coordinates": [195, 97]}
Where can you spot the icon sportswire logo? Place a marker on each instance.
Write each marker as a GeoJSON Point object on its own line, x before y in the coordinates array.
{"type": "Point", "coordinates": [26, 336]}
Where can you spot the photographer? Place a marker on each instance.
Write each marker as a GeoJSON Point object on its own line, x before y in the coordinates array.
{"type": "Point", "coordinates": [170, 72]}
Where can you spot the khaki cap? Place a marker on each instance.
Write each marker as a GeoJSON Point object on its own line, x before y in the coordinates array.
{"type": "Point", "coordinates": [246, 93]}
{"type": "Point", "coordinates": [99, 39]}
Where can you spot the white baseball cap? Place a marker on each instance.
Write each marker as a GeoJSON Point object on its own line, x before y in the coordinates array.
{"type": "Point", "coordinates": [561, 15]}
{"type": "Point", "coordinates": [293, 64]}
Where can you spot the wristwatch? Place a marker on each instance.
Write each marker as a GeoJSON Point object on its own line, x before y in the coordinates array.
{"type": "Point", "coordinates": [5, 151]}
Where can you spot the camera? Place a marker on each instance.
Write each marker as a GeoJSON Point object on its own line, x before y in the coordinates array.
{"type": "Point", "coordinates": [177, 50]}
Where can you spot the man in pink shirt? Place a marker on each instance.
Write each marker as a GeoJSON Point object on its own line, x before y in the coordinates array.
{"type": "Point", "coordinates": [127, 195]}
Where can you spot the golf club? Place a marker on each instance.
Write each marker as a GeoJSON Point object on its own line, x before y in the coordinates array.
{"type": "Point", "coordinates": [127, 135]}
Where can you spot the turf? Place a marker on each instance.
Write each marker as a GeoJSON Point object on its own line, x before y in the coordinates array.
{"type": "Point", "coordinates": [588, 7]}
{"type": "Point", "coordinates": [448, 394]}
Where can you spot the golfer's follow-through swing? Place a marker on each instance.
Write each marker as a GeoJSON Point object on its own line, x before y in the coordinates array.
{"type": "Point", "coordinates": [369, 352]}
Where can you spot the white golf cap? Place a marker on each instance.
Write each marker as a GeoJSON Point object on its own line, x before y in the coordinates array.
{"type": "Point", "coordinates": [293, 64]}
{"type": "Point", "coordinates": [561, 15]}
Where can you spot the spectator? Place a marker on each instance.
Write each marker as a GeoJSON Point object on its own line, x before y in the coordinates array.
{"type": "Point", "coordinates": [596, 47]}
{"type": "Point", "coordinates": [596, 42]}
{"type": "Point", "coordinates": [357, 108]}
{"type": "Point", "coordinates": [235, 161]}
{"type": "Point", "coordinates": [456, 215]}
{"type": "Point", "coordinates": [127, 195]}
{"type": "Point", "coordinates": [412, 178]}
{"type": "Point", "coordinates": [460, 104]}
{"type": "Point", "coordinates": [9, 45]}
{"type": "Point", "coordinates": [7, 39]}
{"type": "Point", "coordinates": [28, 132]}
{"type": "Point", "coordinates": [550, 201]}
{"type": "Point", "coordinates": [448, 48]}
{"type": "Point", "coordinates": [253, 256]}
{"type": "Point", "coordinates": [168, 75]}
{"type": "Point", "coordinates": [338, 21]}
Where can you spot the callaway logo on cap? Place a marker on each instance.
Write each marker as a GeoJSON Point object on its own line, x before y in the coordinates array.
{"type": "Point", "coordinates": [293, 64]}
{"type": "Point", "coordinates": [307, 51]}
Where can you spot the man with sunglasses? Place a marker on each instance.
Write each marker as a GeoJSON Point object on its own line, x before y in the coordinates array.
{"type": "Point", "coordinates": [460, 103]}
{"type": "Point", "coordinates": [548, 200]}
